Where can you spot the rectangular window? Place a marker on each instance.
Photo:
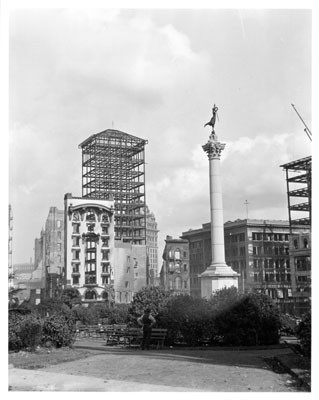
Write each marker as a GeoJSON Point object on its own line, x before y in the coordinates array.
{"type": "Point", "coordinates": [59, 235]}
{"type": "Point", "coordinates": [257, 236]}
{"type": "Point", "coordinates": [59, 247]}
{"type": "Point", "coordinates": [76, 228]}
{"type": "Point", "coordinates": [105, 280]}
{"type": "Point", "coordinates": [75, 280]}
{"type": "Point", "coordinates": [58, 224]}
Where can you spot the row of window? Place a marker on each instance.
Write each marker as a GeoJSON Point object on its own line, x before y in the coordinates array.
{"type": "Point", "coordinates": [282, 293]}
{"type": "Point", "coordinates": [90, 280]}
{"type": "Point", "coordinates": [270, 250]}
{"type": "Point", "coordinates": [177, 267]}
{"type": "Point", "coordinates": [90, 255]}
{"type": "Point", "coordinates": [90, 216]}
{"type": "Point", "coordinates": [276, 237]}
{"type": "Point", "coordinates": [240, 237]}
{"type": "Point", "coordinates": [271, 263]}
{"type": "Point", "coordinates": [177, 283]}
{"type": "Point", "coordinates": [233, 251]}
{"type": "Point", "coordinates": [303, 263]}
{"type": "Point", "coordinates": [176, 254]}
{"type": "Point", "coordinates": [271, 277]}
{"type": "Point", "coordinates": [76, 229]}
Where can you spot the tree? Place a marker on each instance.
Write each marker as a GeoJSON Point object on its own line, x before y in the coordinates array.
{"type": "Point", "coordinates": [153, 297]}
{"type": "Point", "coordinates": [70, 297]}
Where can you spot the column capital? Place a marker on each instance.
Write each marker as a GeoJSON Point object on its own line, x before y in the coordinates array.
{"type": "Point", "coordinates": [213, 147]}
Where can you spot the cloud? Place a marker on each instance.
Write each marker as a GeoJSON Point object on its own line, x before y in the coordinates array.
{"type": "Point", "coordinates": [156, 75]}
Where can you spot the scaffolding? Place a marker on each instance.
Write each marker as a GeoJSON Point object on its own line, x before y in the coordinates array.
{"type": "Point", "coordinates": [298, 178]}
{"type": "Point", "coordinates": [113, 167]}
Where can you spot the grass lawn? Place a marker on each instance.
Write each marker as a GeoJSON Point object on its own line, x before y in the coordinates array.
{"type": "Point", "coordinates": [44, 357]}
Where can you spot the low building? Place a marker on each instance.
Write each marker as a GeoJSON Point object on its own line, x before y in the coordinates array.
{"type": "Point", "coordinates": [130, 270]}
{"type": "Point", "coordinates": [175, 269]}
{"type": "Point", "coordinates": [259, 250]}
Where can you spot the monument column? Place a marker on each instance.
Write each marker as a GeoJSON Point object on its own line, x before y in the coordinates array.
{"type": "Point", "coordinates": [218, 275]}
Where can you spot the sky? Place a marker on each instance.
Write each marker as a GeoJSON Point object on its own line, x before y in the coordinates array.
{"type": "Point", "coordinates": [156, 74]}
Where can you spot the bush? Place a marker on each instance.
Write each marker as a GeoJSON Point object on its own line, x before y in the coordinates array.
{"type": "Point", "coordinates": [186, 318]}
{"type": "Point", "coordinates": [92, 315]}
{"type": "Point", "coordinates": [86, 315]}
{"type": "Point", "coordinates": [25, 331]}
{"type": "Point", "coordinates": [303, 332]}
{"type": "Point", "coordinates": [15, 321]}
{"type": "Point", "coordinates": [252, 320]}
{"type": "Point", "coordinates": [224, 299]}
{"type": "Point", "coordinates": [58, 330]}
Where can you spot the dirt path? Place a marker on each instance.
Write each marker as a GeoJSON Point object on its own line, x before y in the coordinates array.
{"type": "Point", "coordinates": [175, 370]}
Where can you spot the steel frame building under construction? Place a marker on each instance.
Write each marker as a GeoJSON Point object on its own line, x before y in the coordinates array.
{"type": "Point", "coordinates": [298, 179]}
{"type": "Point", "coordinates": [113, 166]}
{"type": "Point", "coordinates": [298, 173]}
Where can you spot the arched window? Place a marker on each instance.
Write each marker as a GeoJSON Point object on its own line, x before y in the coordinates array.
{"type": "Point", "coordinates": [105, 218]}
{"type": "Point", "coordinates": [90, 215]}
{"type": "Point", "coordinates": [105, 295]}
{"type": "Point", "coordinates": [90, 295]}
{"type": "Point", "coordinates": [171, 284]}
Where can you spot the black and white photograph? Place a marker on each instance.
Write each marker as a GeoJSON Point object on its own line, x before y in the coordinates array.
{"type": "Point", "coordinates": [159, 169]}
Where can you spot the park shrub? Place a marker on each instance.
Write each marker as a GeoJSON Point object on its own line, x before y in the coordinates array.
{"type": "Point", "coordinates": [251, 320]}
{"type": "Point", "coordinates": [223, 299]}
{"type": "Point", "coordinates": [15, 321]}
{"type": "Point", "coordinates": [153, 297]}
{"type": "Point", "coordinates": [118, 314]}
{"type": "Point", "coordinates": [187, 319]}
{"type": "Point", "coordinates": [58, 330]}
{"type": "Point", "coordinates": [85, 315]}
{"type": "Point", "coordinates": [97, 313]}
{"type": "Point", "coordinates": [303, 332]}
{"type": "Point", "coordinates": [25, 331]}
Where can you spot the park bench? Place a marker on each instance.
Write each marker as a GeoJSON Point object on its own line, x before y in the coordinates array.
{"type": "Point", "coordinates": [120, 334]}
{"type": "Point", "coordinates": [117, 334]}
{"type": "Point", "coordinates": [135, 336]}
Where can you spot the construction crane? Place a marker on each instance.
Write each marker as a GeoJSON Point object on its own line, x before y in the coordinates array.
{"type": "Point", "coordinates": [307, 130]}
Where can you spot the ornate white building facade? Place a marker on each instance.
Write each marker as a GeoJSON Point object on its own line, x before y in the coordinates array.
{"type": "Point", "coordinates": [89, 247]}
